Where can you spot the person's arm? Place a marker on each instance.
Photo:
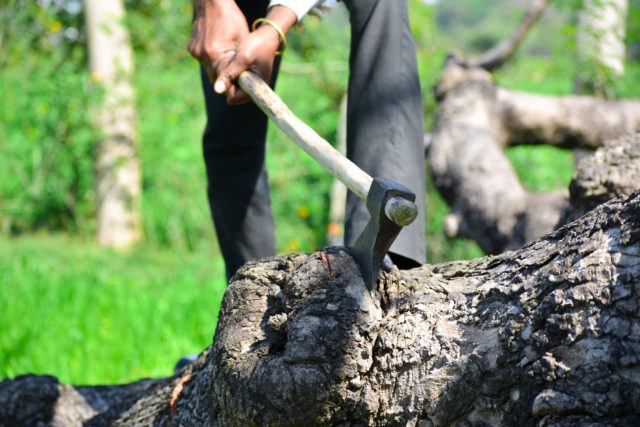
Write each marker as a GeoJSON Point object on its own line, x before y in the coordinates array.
{"type": "Point", "coordinates": [256, 52]}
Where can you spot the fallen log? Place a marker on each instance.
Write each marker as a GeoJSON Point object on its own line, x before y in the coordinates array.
{"type": "Point", "coordinates": [545, 335]}
{"type": "Point", "coordinates": [612, 171]}
{"type": "Point", "coordinates": [476, 121]}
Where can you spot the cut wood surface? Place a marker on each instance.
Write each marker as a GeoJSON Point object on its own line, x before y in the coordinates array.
{"type": "Point", "coordinates": [545, 335]}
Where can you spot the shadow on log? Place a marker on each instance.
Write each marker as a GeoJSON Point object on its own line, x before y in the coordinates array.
{"type": "Point", "coordinates": [545, 335]}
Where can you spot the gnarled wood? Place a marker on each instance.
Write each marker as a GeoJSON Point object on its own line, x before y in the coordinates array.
{"type": "Point", "coordinates": [546, 335]}
{"type": "Point", "coordinates": [476, 120]}
{"type": "Point", "coordinates": [612, 171]}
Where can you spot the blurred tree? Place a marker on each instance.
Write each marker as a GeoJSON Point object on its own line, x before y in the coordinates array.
{"type": "Point", "coordinates": [633, 30]}
{"type": "Point", "coordinates": [118, 182]}
{"type": "Point", "coordinates": [600, 40]}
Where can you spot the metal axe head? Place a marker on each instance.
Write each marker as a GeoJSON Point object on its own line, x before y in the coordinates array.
{"type": "Point", "coordinates": [391, 207]}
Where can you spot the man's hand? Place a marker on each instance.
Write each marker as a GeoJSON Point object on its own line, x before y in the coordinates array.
{"type": "Point", "coordinates": [255, 52]}
{"type": "Point", "coordinates": [218, 27]}
{"type": "Point", "coordinates": [226, 52]}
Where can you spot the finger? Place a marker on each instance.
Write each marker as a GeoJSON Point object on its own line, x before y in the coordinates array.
{"type": "Point", "coordinates": [223, 81]}
{"type": "Point", "coordinates": [222, 84]}
{"type": "Point", "coordinates": [210, 74]}
{"type": "Point", "coordinates": [229, 73]}
{"type": "Point", "coordinates": [236, 96]}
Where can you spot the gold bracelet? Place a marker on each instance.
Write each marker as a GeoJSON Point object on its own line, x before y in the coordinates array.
{"type": "Point", "coordinates": [275, 27]}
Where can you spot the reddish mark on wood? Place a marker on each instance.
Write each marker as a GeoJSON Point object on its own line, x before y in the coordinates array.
{"type": "Point", "coordinates": [326, 264]}
{"type": "Point", "coordinates": [176, 393]}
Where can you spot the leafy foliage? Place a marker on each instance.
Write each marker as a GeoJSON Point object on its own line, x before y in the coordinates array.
{"type": "Point", "coordinates": [45, 138]}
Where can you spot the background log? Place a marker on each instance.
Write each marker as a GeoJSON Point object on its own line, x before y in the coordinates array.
{"type": "Point", "coordinates": [475, 122]}
{"type": "Point", "coordinates": [548, 334]}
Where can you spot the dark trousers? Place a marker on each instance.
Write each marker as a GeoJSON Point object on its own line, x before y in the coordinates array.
{"type": "Point", "coordinates": [384, 137]}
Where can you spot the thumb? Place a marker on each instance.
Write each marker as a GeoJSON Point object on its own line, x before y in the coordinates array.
{"type": "Point", "coordinates": [221, 85]}
{"type": "Point", "coordinates": [228, 75]}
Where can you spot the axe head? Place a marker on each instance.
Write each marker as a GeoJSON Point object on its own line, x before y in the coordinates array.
{"type": "Point", "coordinates": [374, 242]}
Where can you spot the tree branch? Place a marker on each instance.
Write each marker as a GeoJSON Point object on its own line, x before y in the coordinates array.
{"type": "Point", "coordinates": [500, 53]}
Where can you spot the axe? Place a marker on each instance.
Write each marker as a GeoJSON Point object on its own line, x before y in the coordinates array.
{"type": "Point", "coordinates": [390, 204]}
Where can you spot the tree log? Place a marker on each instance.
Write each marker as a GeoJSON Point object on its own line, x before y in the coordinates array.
{"type": "Point", "coordinates": [565, 121]}
{"type": "Point", "coordinates": [546, 335]}
{"type": "Point", "coordinates": [612, 171]}
{"type": "Point", "coordinates": [476, 120]}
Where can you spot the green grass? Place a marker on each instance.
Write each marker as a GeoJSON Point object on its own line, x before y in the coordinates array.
{"type": "Point", "coordinates": [90, 315]}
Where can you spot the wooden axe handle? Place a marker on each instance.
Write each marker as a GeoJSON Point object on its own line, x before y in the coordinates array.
{"type": "Point", "coordinates": [342, 168]}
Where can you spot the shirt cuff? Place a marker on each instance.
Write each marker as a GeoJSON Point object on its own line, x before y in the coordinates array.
{"type": "Point", "coordinates": [299, 7]}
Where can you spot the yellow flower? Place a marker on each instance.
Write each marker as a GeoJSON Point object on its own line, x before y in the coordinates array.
{"type": "Point", "coordinates": [303, 211]}
{"type": "Point", "coordinates": [96, 77]}
{"type": "Point", "coordinates": [56, 27]}
{"type": "Point", "coordinates": [294, 244]}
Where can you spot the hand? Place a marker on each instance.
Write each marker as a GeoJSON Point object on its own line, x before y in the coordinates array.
{"type": "Point", "coordinates": [218, 27]}
{"type": "Point", "coordinates": [222, 42]}
{"type": "Point", "coordinates": [255, 52]}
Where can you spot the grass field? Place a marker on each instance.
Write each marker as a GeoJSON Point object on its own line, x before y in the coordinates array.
{"type": "Point", "coordinates": [90, 315]}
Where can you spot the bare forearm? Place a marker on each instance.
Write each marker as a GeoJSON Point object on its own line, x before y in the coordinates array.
{"type": "Point", "coordinates": [201, 6]}
{"type": "Point", "coordinates": [284, 17]}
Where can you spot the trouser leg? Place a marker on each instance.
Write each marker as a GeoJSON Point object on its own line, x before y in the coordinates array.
{"type": "Point", "coordinates": [238, 186]}
{"type": "Point", "coordinates": [385, 125]}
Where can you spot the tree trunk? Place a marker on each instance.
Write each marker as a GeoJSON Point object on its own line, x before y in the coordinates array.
{"type": "Point", "coordinates": [118, 188]}
{"type": "Point", "coordinates": [546, 335]}
{"type": "Point", "coordinates": [601, 34]}
{"type": "Point", "coordinates": [476, 120]}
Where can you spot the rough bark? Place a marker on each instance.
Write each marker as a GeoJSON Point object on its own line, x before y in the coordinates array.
{"type": "Point", "coordinates": [612, 171]}
{"type": "Point", "coordinates": [546, 335]}
{"type": "Point", "coordinates": [476, 120]}
{"type": "Point", "coordinates": [118, 175]}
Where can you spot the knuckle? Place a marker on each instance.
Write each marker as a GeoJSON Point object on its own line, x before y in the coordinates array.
{"type": "Point", "coordinates": [210, 52]}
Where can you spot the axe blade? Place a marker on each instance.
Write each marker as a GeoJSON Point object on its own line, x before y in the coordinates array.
{"type": "Point", "coordinates": [373, 243]}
